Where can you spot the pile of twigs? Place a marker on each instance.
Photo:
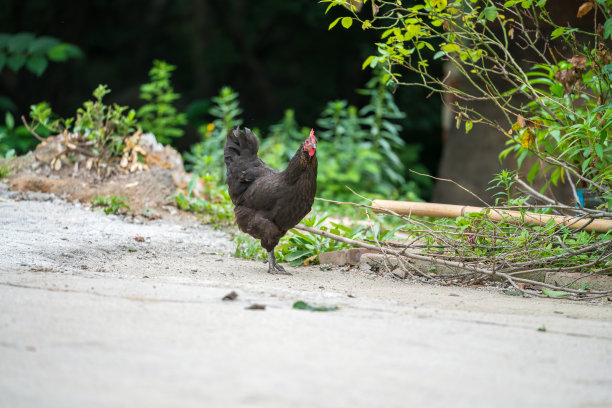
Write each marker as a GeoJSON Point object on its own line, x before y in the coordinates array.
{"type": "Point", "coordinates": [508, 252]}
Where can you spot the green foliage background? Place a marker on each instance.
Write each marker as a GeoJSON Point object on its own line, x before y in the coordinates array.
{"type": "Point", "coordinates": [277, 55]}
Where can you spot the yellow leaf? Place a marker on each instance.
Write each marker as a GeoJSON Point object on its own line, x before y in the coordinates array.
{"type": "Point", "coordinates": [527, 138]}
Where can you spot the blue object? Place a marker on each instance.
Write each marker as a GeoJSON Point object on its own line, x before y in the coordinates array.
{"type": "Point", "coordinates": [580, 194]}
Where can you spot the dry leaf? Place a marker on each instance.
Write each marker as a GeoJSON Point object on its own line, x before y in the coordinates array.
{"type": "Point", "coordinates": [89, 163]}
{"type": "Point", "coordinates": [56, 164]}
{"type": "Point", "coordinates": [521, 121]}
{"type": "Point", "coordinates": [579, 61]}
{"type": "Point", "coordinates": [584, 9]}
{"type": "Point", "coordinates": [567, 77]}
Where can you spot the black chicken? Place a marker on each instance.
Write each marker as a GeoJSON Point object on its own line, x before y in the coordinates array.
{"type": "Point", "coordinates": [269, 202]}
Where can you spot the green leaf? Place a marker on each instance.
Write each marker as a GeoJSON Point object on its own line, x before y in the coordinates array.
{"type": "Point", "coordinates": [450, 47]}
{"type": "Point", "coordinates": [490, 13]}
{"type": "Point", "coordinates": [557, 32]}
{"type": "Point", "coordinates": [557, 89]}
{"type": "Point", "coordinates": [4, 39]}
{"type": "Point", "coordinates": [468, 126]}
{"type": "Point", "coordinates": [367, 62]}
{"type": "Point", "coordinates": [15, 62]}
{"type": "Point", "coordinates": [9, 120]}
{"type": "Point", "coordinates": [64, 51]}
{"type": "Point", "coordinates": [42, 45]}
{"type": "Point", "coordinates": [411, 31]}
{"type": "Point", "coordinates": [333, 23]}
{"type": "Point", "coordinates": [295, 255]}
{"type": "Point", "coordinates": [347, 22]}
{"type": "Point", "coordinates": [554, 293]}
{"type": "Point", "coordinates": [191, 185]}
{"type": "Point", "coordinates": [607, 30]}
{"type": "Point", "coordinates": [37, 64]}
{"type": "Point", "coordinates": [533, 172]}
{"type": "Point", "coordinates": [305, 306]}
{"type": "Point", "coordinates": [599, 150]}
{"type": "Point", "coordinates": [20, 42]}
{"type": "Point", "coordinates": [438, 55]}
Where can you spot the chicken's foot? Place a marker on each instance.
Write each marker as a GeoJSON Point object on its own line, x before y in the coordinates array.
{"type": "Point", "coordinates": [273, 266]}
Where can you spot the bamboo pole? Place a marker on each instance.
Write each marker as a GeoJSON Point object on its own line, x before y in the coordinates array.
{"type": "Point", "coordinates": [495, 214]}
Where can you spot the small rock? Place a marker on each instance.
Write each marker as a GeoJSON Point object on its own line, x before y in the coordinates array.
{"type": "Point", "coordinates": [343, 257]}
{"type": "Point", "coordinates": [230, 296]}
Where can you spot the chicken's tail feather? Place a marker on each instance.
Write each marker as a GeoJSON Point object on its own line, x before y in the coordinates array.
{"type": "Point", "coordinates": [240, 143]}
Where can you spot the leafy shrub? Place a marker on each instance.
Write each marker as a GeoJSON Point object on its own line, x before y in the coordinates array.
{"type": "Point", "coordinates": [358, 147]}
{"type": "Point", "coordinates": [158, 115]}
{"type": "Point", "coordinates": [569, 127]}
{"type": "Point", "coordinates": [206, 157]}
{"type": "Point", "coordinates": [111, 204]}
{"type": "Point", "coordinates": [248, 247]}
{"type": "Point", "coordinates": [567, 121]}
{"type": "Point", "coordinates": [25, 49]}
{"type": "Point", "coordinates": [297, 246]}
{"type": "Point", "coordinates": [103, 126]}
{"type": "Point", "coordinates": [218, 207]}
{"type": "Point", "coordinates": [14, 139]}
{"type": "Point", "coordinates": [282, 141]}
{"type": "Point", "coordinates": [34, 53]}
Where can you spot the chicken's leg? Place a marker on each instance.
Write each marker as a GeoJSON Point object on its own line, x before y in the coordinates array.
{"type": "Point", "coordinates": [273, 266]}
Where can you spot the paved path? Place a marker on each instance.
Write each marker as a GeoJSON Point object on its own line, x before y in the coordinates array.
{"type": "Point", "coordinates": [89, 317]}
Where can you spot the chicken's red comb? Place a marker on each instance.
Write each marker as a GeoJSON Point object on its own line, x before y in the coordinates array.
{"type": "Point", "coordinates": [312, 136]}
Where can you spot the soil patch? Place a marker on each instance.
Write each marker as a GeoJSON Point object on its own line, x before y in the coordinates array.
{"type": "Point", "coordinates": [147, 187]}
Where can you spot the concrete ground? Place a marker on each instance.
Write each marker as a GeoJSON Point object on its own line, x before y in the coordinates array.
{"type": "Point", "coordinates": [91, 317]}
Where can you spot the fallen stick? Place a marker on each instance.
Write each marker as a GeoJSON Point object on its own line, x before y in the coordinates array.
{"type": "Point", "coordinates": [461, 265]}
{"type": "Point", "coordinates": [495, 214]}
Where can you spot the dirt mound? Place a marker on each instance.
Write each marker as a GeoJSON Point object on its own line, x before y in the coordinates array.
{"type": "Point", "coordinates": [147, 183]}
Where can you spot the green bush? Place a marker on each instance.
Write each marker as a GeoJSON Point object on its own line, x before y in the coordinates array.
{"type": "Point", "coordinates": [14, 139]}
{"type": "Point", "coordinates": [111, 204]}
{"type": "Point", "coordinates": [158, 115]}
{"type": "Point", "coordinates": [206, 157]}
{"type": "Point", "coordinates": [569, 127]}
{"type": "Point", "coordinates": [104, 127]}
{"type": "Point", "coordinates": [566, 82]}
{"type": "Point", "coordinates": [34, 53]}
{"type": "Point", "coordinates": [359, 148]}
{"type": "Point", "coordinates": [25, 49]}
{"type": "Point", "coordinates": [218, 207]}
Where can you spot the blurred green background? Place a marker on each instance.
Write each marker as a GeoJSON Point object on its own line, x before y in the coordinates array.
{"type": "Point", "coordinates": [276, 55]}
